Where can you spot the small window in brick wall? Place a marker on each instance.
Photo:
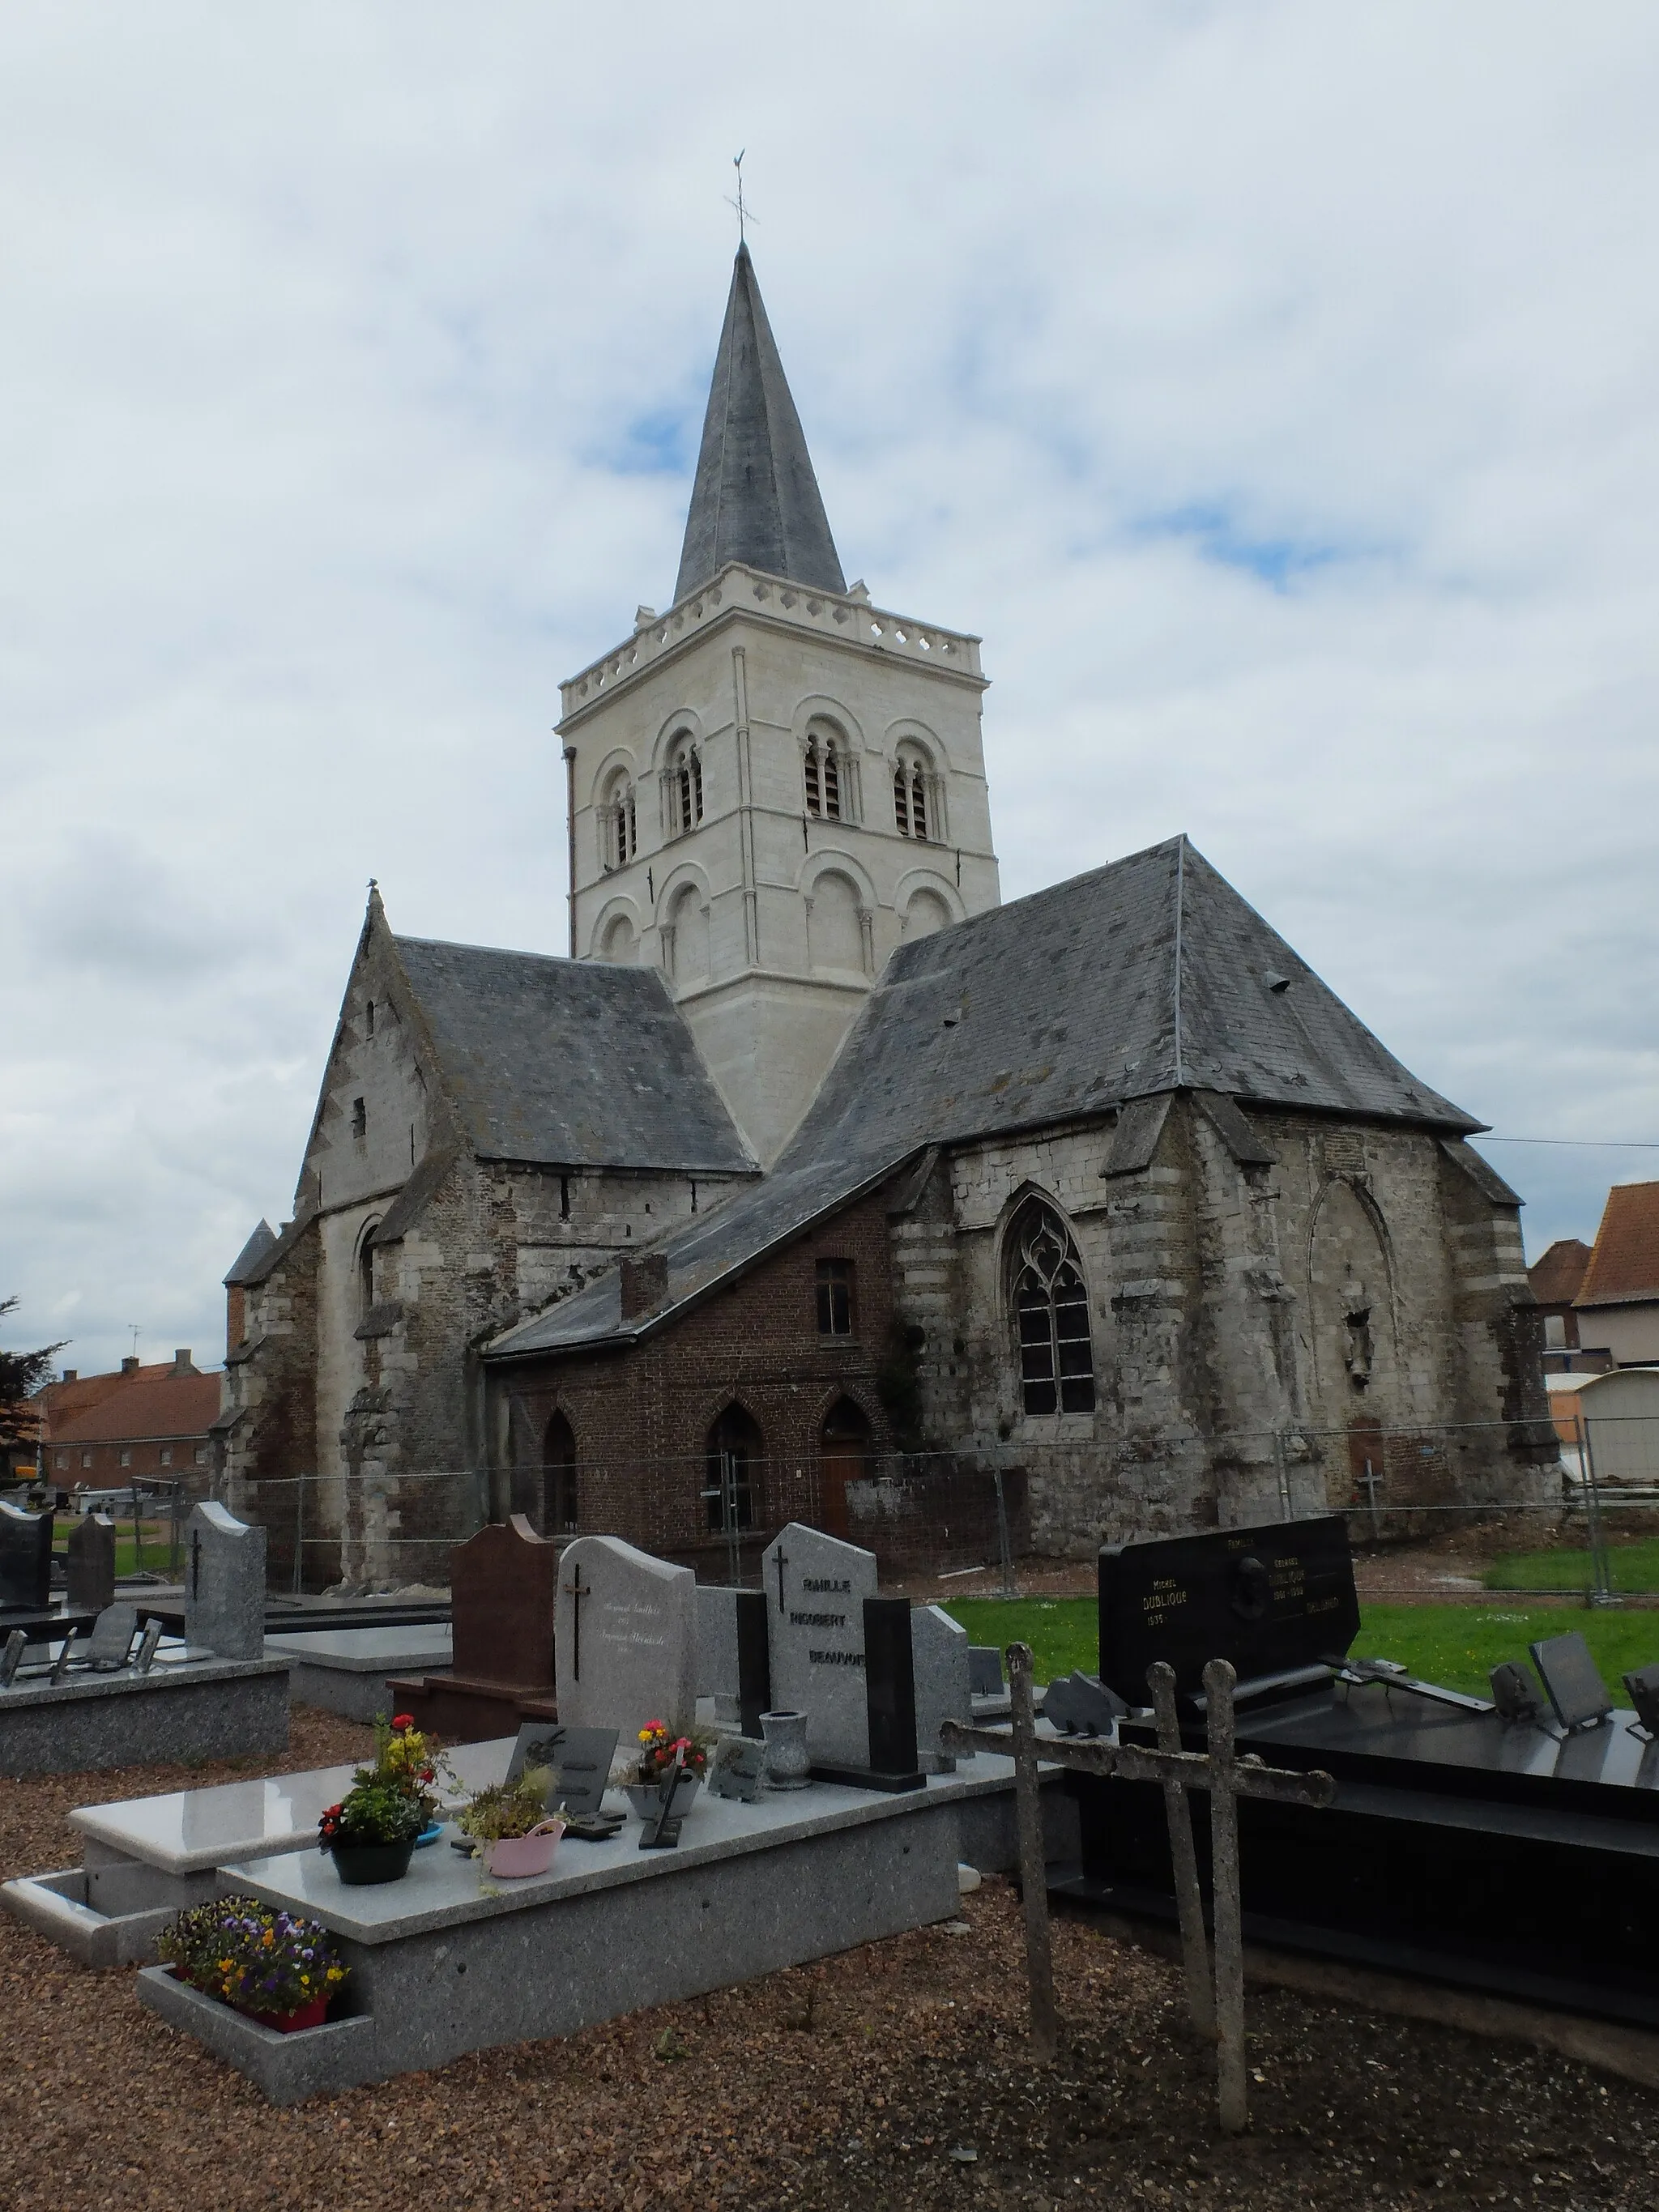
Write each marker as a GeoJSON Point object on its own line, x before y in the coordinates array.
{"type": "Point", "coordinates": [835, 1297]}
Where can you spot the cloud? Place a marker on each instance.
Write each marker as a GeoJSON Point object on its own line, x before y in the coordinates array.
{"type": "Point", "coordinates": [1271, 386]}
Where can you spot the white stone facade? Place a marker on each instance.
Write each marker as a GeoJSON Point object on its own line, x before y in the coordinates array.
{"type": "Point", "coordinates": [819, 735]}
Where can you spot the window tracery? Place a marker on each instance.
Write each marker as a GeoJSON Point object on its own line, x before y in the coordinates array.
{"type": "Point", "coordinates": [1050, 1302]}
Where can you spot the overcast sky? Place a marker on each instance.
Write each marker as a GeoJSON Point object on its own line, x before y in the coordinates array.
{"type": "Point", "coordinates": [1273, 387]}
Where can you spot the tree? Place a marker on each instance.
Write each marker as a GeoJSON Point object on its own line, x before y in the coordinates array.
{"type": "Point", "coordinates": [21, 1374]}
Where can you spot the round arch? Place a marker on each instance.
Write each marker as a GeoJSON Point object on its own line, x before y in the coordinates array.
{"type": "Point", "coordinates": [606, 933]}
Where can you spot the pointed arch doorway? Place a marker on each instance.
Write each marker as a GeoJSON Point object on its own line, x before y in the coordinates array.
{"type": "Point", "coordinates": [561, 1506]}
{"type": "Point", "coordinates": [844, 1445]}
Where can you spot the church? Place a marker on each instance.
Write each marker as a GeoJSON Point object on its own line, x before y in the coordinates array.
{"type": "Point", "coordinates": [812, 1179]}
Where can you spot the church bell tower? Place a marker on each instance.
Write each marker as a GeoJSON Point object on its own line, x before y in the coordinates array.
{"type": "Point", "coordinates": [774, 782]}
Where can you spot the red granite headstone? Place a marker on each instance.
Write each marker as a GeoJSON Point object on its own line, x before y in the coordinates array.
{"type": "Point", "coordinates": [503, 1586]}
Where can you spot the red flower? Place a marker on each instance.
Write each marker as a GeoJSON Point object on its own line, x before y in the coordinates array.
{"type": "Point", "coordinates": [400, 1721]}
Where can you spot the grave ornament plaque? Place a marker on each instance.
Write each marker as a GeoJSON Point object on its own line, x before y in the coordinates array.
{"type": "Point", "coordinates": [738, 1769]}
{"type": "Point", "coordinates": [1270, 1600]}
{"type": "Point", "coordinates": [626, 1638]}
{"type": "Point", "coordinates": [578, 1759]}
{"type": "Point", "coordinates": [224, 1584]}
{"type": "Point", "coordinates": [107, 1648]}
{"type": "Point", "coordinates": [815, 1587]}
{"type": "Point", "coordinates": [25, 1559]}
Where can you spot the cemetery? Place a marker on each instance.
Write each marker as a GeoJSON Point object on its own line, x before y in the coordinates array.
{"type": "Point", "coordinates": [726, 1789]}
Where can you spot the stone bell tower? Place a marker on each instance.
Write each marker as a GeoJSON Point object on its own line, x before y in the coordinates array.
{"type": "Point", "coordinates": [774, 782]}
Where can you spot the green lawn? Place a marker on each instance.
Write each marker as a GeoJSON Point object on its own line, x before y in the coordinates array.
{"type": "Point", "coordinates": [1634, 1567]}
{"type": "Point", "coordinates": [1458, 1645]}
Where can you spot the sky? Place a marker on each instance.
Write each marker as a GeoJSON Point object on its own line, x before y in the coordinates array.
{"type": "Point", "coordinates": [1273, 386]}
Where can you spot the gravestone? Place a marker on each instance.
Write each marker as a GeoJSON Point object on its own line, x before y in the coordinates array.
{"type": "Point", "coordinates": [939, 1663]}
{"type": "Point", "coordinates": [111, 1640]}
{"type": "Point", "coordinates": [1567, 1668]}
{"type": "Point", "coordinates": [1080, 1705]}
{"type": "Point", "coordinates": [815, 1587]}
{"type": "Point", "coordinates": [890, 1690]}
{"type": "Point", "coordinates": [11, 1657]}
{"type": "Point", "coordinates": [738, 1769]}
{"type": "Point", "coordinates": [25, 1559]}
{"type": "Point", "coordinates": [579, 1761]}
{"type": "Point", "coordinates": [733, 1665]}
{"type": "Point", "coordinates": [985, 1670]}
{"type": "Point", "coordinates": [1271, 1600]}
{"type": "Point", "coordinates": [626, 1638]}
{"type": "Point", "coordinates": [89, 1562]}
{"type": "Point", "coordinates": [224, 1584]}
{"type": "Point", "coordinates": [503, 1586]}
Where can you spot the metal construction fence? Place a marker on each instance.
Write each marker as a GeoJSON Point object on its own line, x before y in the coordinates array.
{"type": "Point", "coordinates": [994, 1515]}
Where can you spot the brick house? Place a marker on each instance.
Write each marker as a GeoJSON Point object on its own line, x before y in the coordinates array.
{"type": "Point", "coordinates": [105, 1431]}
{"type": "Point", "coordinates": [1617, 1304]}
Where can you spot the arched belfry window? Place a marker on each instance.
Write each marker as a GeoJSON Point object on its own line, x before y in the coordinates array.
{"type": "Point", "coordinates": [619, 826]}
{"type": "Point", "coordinates": [685, 784]}
{"type": "Point", "coordinates": [1050, 1303]}
{"type": "Point", "coordinates": [826, 774]}
{"type": "Point", "coordinates": [916, 800]}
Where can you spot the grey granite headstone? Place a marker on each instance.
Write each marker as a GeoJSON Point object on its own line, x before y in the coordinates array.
{"type": "Point", "coordinates": [984, 1670]}
{"type": "Point", "coordinates": [815, 1587]}
{"type": "Point", "coordinates": [579, 1761]}
{"type": "Point", "coordinates": [738, 1769]}
{"type": "Point", "coordinates": [624, 1638]}
{"type": "Point", "coordinates": [25, 1558]}
{"type": "Point", "coordinates": [939, 1650]}
{"type": "Point", "coordinates": [717, 1642]}
{"type": "Point", "coordinates": [89, 1562]}
{"type": "Point", "coordinates": [224, 1584]}
{"type": "Point", "coordinates": [111, 1638]}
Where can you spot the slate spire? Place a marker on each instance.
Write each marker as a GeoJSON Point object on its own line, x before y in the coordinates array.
{"type": "Point", "coordinates": [755, 499]}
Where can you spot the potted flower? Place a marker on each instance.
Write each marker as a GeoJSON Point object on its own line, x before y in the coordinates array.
{"type": "Point", "coordinates": [510, 1823]}
{"type": "Point", "coordinates": [372, 1833]}
{"type": "Point", "coordinates": [277, 1970]}
{"type": "Point", "coordinates": [654, 1761]}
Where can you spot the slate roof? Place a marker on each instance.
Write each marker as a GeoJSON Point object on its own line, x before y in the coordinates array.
{"type": "Point", "coordinates": [245, 1268]}
{"type": "Point", "coordinates": [1624, 1264]}
{"type": "Point", "coordinates": [756, 498]}
{"type": "Point", "coordinates": [1147, 976]}
{"type": "Point", "coordinates": [569, 1063]}
{"type": "Point", "coordinates": [1557, 1278]}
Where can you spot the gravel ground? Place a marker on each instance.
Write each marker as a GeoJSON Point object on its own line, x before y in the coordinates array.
{"type": "Point", "coordinates": [892, 2076]}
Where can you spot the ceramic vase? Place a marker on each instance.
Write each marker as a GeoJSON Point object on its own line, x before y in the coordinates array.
{"type": "Point", "coordinates": [788, 1762]}
{"type": "Point", "coordinates": [646, 1797]}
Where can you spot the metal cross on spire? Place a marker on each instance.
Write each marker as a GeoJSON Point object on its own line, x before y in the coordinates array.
{"type": "Point", "coordinates": [745, 213]}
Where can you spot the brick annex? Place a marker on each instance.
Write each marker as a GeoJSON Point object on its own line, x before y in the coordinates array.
{"type": "Point", "coordinates": [814, 1182]}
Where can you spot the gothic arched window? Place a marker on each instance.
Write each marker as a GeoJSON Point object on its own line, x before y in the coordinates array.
{"type": "Point", "coordinates": [1050, 1302]}
{"type": "Point", "coordinates": [561, 1513]}
{"type": "Point", "coordinates": [618, 829]}
{"type": "Point", "coordinates": [826, 774]}
{"type": "Point", "coordinates": [734, 1456]}
{"type": "Point", "coordinates": [685, 784]}
{"type": "Point", "coordinates": [912, 794]}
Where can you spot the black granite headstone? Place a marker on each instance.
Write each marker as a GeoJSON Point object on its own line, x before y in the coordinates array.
{"type": "Point", "coordinates": [1271, 1600]}
{"type": "Point", "coordinates": [90, 1557]}
{"type": "Point", "coordinates": [889, 1686]}
{"type": "Point", "coordinates": [1567, 1668]}
{"type": "Point", "coordinates": [25, 1559]}
{"type": "Point", "coordinates": [754, 1660]}
{"type": "Point", "coordinates": [984, 1671]}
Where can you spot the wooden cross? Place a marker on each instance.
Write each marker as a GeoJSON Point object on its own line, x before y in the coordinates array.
{"type": "Point", "coordinates": [1218, 2012]}
{"type": "Point", "coordinates": [576, 1589]}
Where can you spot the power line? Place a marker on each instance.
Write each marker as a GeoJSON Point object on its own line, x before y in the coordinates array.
{"type": "Point", "coordinates": [1588, 1143]}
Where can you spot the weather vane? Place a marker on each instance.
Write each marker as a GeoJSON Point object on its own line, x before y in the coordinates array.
{"type": "Point", "coordinates": [745, 215]}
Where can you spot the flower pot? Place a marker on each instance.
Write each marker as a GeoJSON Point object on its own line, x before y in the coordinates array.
{"type": "Point", "coordinates": [646, 1797]}
{"type": "Point", "coordinates": [512, 1858]}
{"type": "Point", "coordinates": [359, 1864]}
{"type": "Point", "coordinates": [788, 1762]}
{"type": "Point", "coordinates": [312, 2014]}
